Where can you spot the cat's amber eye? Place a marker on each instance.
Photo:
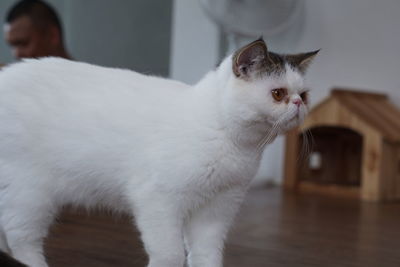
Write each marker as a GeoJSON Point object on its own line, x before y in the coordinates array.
{"type": "Point", "coordinates": [279, 93]}
{"type": "Point", "coordinates": [304, 97]}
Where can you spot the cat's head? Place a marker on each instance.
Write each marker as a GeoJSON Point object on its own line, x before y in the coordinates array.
{"type": "Point", "coordinates": [269, 87]}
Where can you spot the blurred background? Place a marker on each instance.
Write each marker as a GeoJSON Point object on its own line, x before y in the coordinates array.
{"type": "Point", "coordinates": [184, 39]}
{"type": "Point", "coordinates": [123, 33]}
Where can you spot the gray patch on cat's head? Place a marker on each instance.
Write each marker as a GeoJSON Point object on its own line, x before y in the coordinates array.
{"type": "Point", "coordinates": [255, 60]}
{"type": "Point", "coordinates": [301, 61]}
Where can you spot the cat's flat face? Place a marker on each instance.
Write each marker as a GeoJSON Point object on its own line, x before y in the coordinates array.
{"type": "Point", "coordinates": [285, 98]}
{"type": "Point", "coordinates": [271, 86]}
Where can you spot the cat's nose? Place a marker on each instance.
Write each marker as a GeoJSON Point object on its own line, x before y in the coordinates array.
{"type": "Point", "coordinates": [297, 102]}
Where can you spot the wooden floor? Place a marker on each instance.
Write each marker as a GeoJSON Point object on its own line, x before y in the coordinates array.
{"type": "Point", "coordinates": [274, 229]}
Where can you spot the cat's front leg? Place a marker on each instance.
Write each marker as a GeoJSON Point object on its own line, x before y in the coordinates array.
{"type": "Point", "coordinates": [160, 222]}
{"type": "Point", "coordinates": [206, 230]}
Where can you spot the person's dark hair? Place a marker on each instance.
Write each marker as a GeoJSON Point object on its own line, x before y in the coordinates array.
{"type": "Point", "coordinates": [7, 261]}
{"type": "Point", "coordinates": [41, 13]}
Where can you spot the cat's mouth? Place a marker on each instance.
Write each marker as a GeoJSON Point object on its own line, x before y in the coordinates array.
{"type": "Point", "coordinates": [296, 118]}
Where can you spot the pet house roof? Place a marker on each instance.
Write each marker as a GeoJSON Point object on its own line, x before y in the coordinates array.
{"type": "Point", "coordinates": [371, 109]}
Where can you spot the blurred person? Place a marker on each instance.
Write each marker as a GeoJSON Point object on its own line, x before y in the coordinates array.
{"type": "Point", "coordinates": [33, 29]}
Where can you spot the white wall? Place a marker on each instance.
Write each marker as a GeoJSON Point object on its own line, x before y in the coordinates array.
{"type": "Point", "coordinates": [360, 41]}
{"type": "Point", "coordinates": [194, 42]}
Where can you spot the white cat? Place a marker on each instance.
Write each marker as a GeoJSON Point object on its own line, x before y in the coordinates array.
{"type": "Point", "coordinates": [177, 157]}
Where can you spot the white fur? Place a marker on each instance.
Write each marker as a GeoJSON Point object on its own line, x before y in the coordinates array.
{"type": "Point", "coordinates": [177, 157]}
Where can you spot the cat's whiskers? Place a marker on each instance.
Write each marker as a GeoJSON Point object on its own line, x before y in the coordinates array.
{"type": "Point", "coordinates": [304, 147]}
{"type": "Point", "coordinates": [261, 144]}
{"type": "Point", "coordinates": [310, 142]}
{"type": "Point", "coordinates": [307, 145]}
{"type": "Point", "coordinates": [270, 134]}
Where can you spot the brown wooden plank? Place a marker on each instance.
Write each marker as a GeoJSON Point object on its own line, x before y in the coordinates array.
{"type": "Point", "coordinates": [342, 92]}
{"type": "Point", "coordinates": [364, 113]}
{"type": "Point", "coordinates": [389, 115]}
{"type": "Point", "coordinates": [372, 181]}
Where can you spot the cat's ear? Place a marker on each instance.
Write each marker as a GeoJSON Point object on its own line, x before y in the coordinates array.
{"type": "Point", "coordinates": [302, 61]}
{"type": "Point", "coordinates": [248, 58]}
